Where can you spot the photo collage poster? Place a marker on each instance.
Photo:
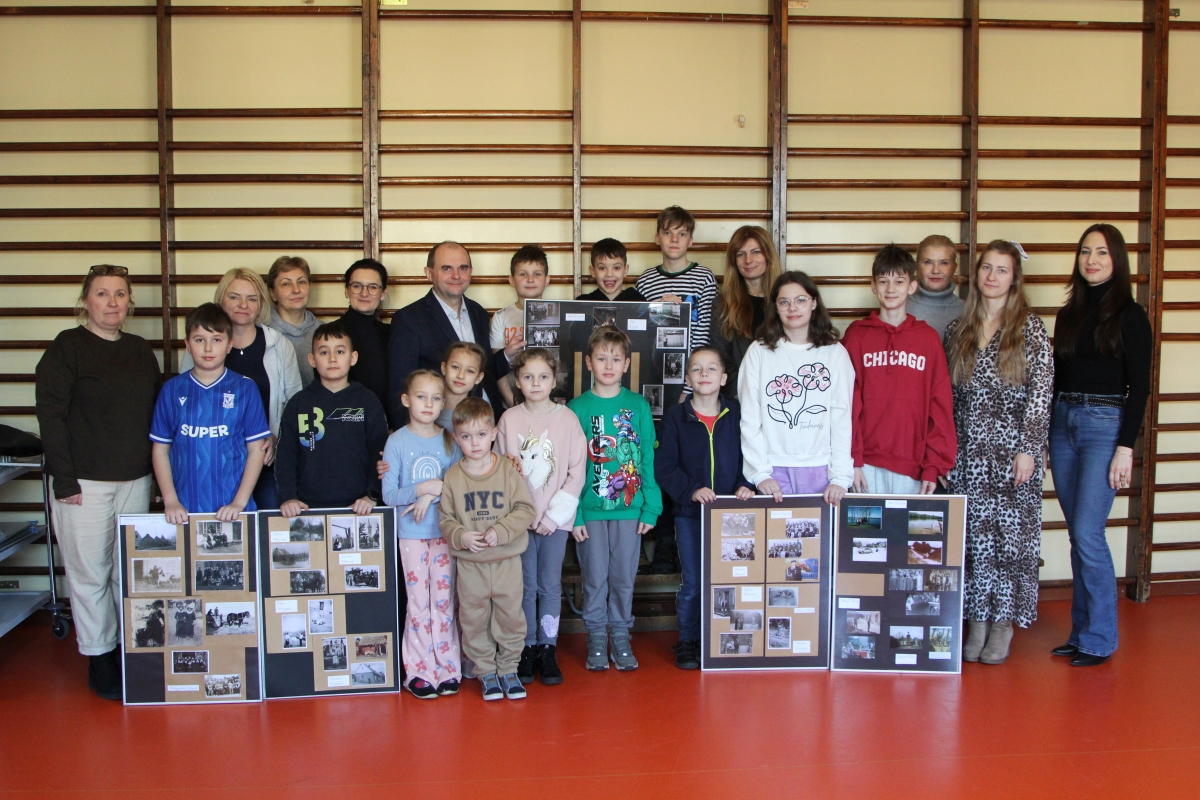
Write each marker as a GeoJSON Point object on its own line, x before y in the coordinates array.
{"type": "Point", "coordinates": [190, 629]}
{"type": "Point", "coordinates": [659, 337]}
{"type": "Point", "coordinates": [898, 583]}
{"type": "Point", "coordinates": [330, 613]}
{"type": "Point", "coordinates": [766, 585]}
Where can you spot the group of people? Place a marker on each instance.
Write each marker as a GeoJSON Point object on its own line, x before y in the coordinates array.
{"type": "Point", "coordinates": [491, 477]}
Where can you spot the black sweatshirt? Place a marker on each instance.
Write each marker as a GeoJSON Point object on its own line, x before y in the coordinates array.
{"type": "Point", "coordinates": [95, 399]}
{"type": "Point", "coordinates": [329, 444]}
{"type": "Point", "coordinates": [1127, 374]}
{"type": "Point", "coordinates": [627, 295]}
{"type": "Point", "coordinates": [370, 337]}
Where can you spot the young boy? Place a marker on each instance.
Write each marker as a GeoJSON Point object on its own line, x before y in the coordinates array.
{"type": "Point", "coordinates": [902, 420]}
{"type": "Point", "coordinates": [609, 266]}
{"type": "Point", "coordinates": [332, 434]}
{"type": "Point", "coordinates": [485, 514]}
{"type": "Point", "coordinates": [529, 273]}
{"type": "Point", "coordinates": [699, 457]}
{"type": "Point", "coordinates": [207, 426]}
{"type": "Point", "coordinates": [679, 279]}
{"type": "Point", "coordinates": [620, 500]}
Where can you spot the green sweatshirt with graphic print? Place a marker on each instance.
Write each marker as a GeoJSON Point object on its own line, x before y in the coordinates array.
{"type": "Point", "coordinates": [619, 481]}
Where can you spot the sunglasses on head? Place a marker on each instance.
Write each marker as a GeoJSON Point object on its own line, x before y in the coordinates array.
{"type": "Point", "coordinates": [109, 269]}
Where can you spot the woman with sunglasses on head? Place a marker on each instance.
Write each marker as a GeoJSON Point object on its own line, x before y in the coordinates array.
{"type": "Point", "coordinates": [96, 387]}
{"type": "Point", "coordinates": [366, 288]}
{"type": "Point", "coordinates": [1102, 345]}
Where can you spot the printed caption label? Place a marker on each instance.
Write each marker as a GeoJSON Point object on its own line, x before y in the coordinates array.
{"type": "Point", "coordinates": [906, 658]}
{"type": "Point", "coordinates": [804, 611]}
{"type": "Point", "coordinates": [939, 656]}
{"type": "Point", "coordinates": [285, 606]}
{"type": "Point", "coordinates": [781, 514]}
{"type": "Point", "coordinates": [751, 594]}
{"type": "Point", "coordinates": [847, 602]}
{"type": "Point", "coordinates": [334, 681]}
{"type": "Point", "coordinates": [187, 687]}
{"type": "Point", "coordinates": [636, 325]}
{"type": "Point", "coordinates": [350, 558]}
{"type": "Point", "coordinates": [896, 504]}
{"type": "Point", "coordinates": [279, 536]}
{"type": "Point", "coordinates": [741, 572]}
{"type": "Point", "coordinates": [801, 648]}
{"type": "Point", "coordinates": [574, 317]}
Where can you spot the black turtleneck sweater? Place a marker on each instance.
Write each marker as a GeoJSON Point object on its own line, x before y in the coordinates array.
{"type": "Point", "coordinates": [1126, 374]}
{"type": "Point", "coordinates": [370, 337]}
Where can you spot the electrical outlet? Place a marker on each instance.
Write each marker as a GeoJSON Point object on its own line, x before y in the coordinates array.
{"type": "Point", "coordinates": [1175, 12]}
{"type": "Point", "coordinates": [10, 584]}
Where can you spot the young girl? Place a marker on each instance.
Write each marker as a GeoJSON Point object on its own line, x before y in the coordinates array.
{"type": "Point", "coordinates": [552, 452]}
{"type": "Point", "coordinates": [463, 371]}
{"type": "Point", "coordinates": [796, 387]}
{"type": "Point", "coordinates": [417, 456]}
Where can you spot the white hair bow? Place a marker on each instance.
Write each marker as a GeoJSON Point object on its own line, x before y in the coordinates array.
{"type": "Point", "coordinates": [1021, 250]}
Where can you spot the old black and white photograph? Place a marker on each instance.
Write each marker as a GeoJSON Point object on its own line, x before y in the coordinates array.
{"type": "Point", "coordinates": [801, 569]}
{"type": "Point", "coordinates": [295, 632]}
{"type": "Point", "coordinates": [229, 619]}
{"type": "Point", "coordinates": [673, 367]}
{"type": "Point", "coordinates": [653, 392]}
{"type": "Point", "coordinates": [361, 578]}
{"type": "Point", "coordinates": [217, 538]}
{"type": "Point", "coordinates": [307, 529]}
{"type": "Point", "coordinates": [868, 549]}
{"type": "Point", "coordinates": [940, 639]}
{"type": "Point", "coordinates": [370, 646]}
{"type": "Point", "coordinates": [306, 581]}
{"type": "Point", "coordinates": [906, 580]}
{"type": "Point", "coordinates": [333, 651]}
{"type": "Point", "coordinates": [538, 336]}
{"type": "Point", "coordinates": [664, 314]}
{"type": "Point", "coordinates": [290, 556]}
{"type": "Point", "coordinates": [220, 576]}
{"type": "Point", "coordinates": [737, 523]}
{"type": "Point", "coordinates": [149, 618]}
{"type": "Point", "coordinates": [745, 620]}
{"type": "Point", "coordinates": [906, 637]}
{"type": "Point", "coordinates": [183, 623]}
{"type": "Point", "coordinates": [923, 604]}
{"type": "Point", "coordinates": [925, 523]}
{"type": "Point", "coordinates": [862, 623]}
{"type": "Point", "coordinates": [802, 528]}
{"type": "Point", "coordinates": [785, 548]}
{"type": "Point", "coordinates": [541, 312]}
{"type": "Point", "coordinates": [368, 673]}
{"type": "Point", "coordinates": [370, 536]}
{"type": "Point", "coordinates": [943, 580]}
{"type": "Point", "coordinates": [924, 552]}
{"type": "Point", "coordinates": [222, 685]}
{"type": "Point", "coordinates": [779, 633]}
{"type": "Point", "coordinates": [782, 597]}
{"type": "Point", "coordinates": [736, 644]}
{"type": "Point", "coordinates": [320, 616]}
{"type": "Point", "coordinates": [859, 647]}
{"type": "Point", "coordinates": [158, 575]}
{"type": "Point", "coordinates": [154, 535]}
{"type": "Point", "coordinates": [723, 601]}
{"type": "Point", "coordinates": [603, 315]}
{"type": "Point", "coordinates": [671, 338]}
{"type": "Point", "coordinates": [737, 549]}
{"type": "Point", "coordinates": [864, 518]}
{"type": "Point", "coordinates": [184, 662]}
{"type": "Point", "coordinates": [342, 534]}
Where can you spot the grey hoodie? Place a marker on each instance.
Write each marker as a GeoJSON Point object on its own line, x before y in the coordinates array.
{"type": "Point", "coordinates": [301, 339]}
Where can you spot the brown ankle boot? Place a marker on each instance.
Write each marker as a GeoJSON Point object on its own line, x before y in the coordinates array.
{"type": "Point", "coordinates": [977, 634]}
{"type": "Point", "coordinates": [998, 640]}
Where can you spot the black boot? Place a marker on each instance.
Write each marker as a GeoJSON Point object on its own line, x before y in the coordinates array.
{"type": "Point", "coordinates": [547, 665]}
{"type": "Point", "coordinates": [527, 667]}
{"type": "Point", "coordinates": [104, 675]}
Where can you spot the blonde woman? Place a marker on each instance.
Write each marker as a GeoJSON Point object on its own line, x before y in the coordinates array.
{"type": "Point", "coordinates": [751, 267]}
{"type": "Point", "coordinates": [261, 354]}
{"type": "Point", "coordinates": [1002, 368]}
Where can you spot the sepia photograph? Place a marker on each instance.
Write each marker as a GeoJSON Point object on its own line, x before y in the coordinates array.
{"type": "Point", "coordinates": [906, 637]}
{"type": "Point", "coordinates": [148, 535]}
{"type": "Point", "coordinates": [723, 601]}
{"type": "Point", "coordinates": [320, 616]}
{"type": "Point", "coordinates": [742, 620]}
{"type": "Point", "coordinates": [370, 535]}
{"type": "Point", "coordinates": [784, 548]}
{"type": "Point", "coordinates": [782, 597]}
{"type": "Point", "coordinates": [368, 673]}
{"type": "Point", "coordinates": [603, 315]}
{"type": "Point", "coordinates": [736, 644]}
{"type": "Point", "coordinates": [940, 639]}
{"type": "Point", "coordinates": [333, 651]}
{"type": "Point", "coordinates": [341, 534]}
{"type": "Point", "coordinates": [306, 581]}
{"type": "Point", "coordinates": [361, 578]}
{"type": "Point", "coordinates": [220, 576]}
{"type": "Point", "coordinates": [943, 580]}
{"type": "Point", "coordinates": [184, 662]}
{"type": "Point", "coordinates": [222, 685]}
{"type": "Point", "coordinates": [923, 604]}
{"type": "Point", "coordinates": [537, 336]}
{"type": "Point", "coordinates": [863, 518]}
{"type": "Point", "coordinates": [924, 552]}
{"type": "Point", "coordinates": [217, 538]}
{"type": "Point", "coordinates": [802, 528]}
{"type": "Point", "coordinates": [737, 549]}
{"type": "Point", "coordinates": [149, 622]}
{"type": "Point", "coordinates": [673, 367]}
{"type": "Point", "coordinates": [229, 619]}
{"type": "Point", "coordinates": [925, 523]}
{"type": "Point", "coordinates": [671, 338]}
{"type": "Point", "coordinates": [370, 646]}
{"type": "Point", "coordinates": [307, 529]}
{"type": "Point", "coordinates": [906, 580]}
{"type": "Point", "coordinates": [295, 634]}
{"type": "Point", "coordinates": [861, 623]}
{"type": "Point", "coordinates": [779, 633]}
{"type": "Point", "coordinates": [869, 550]}
{"type": "Point", "coordinates": [183, 623]}
{"type": "Point", "coordinates": [541, 312]}
{"type": "Point", "coordinates": [859, 647]}
{"type": "Point", "coordinates": [653, 392]}
{"type": "Point", "coordinates": [290, 556]}
{"type": "Point", "coordinates": [159, 575]}
{"type": "Point", "coordinates": [737, 524]}
{"type": "Point", "coordinates": [665, 314]}
{"type": "Point", "coordinates": [801, 569]}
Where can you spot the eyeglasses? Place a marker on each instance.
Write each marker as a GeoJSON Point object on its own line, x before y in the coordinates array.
{"type": "Point", "coordinates": [799, 302]}
{"type": "Point", "coordinates": [109, 269]}
{"type": "Point", "coordinates": [370, 288]}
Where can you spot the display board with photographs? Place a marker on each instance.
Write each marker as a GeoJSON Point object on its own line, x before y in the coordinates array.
{"type": "Point", "coordinates": [898, 583]}
{"type": "Point", "coordinates": [659, 336]}
{"type": "Point", "coordinates": [329, 603]}
{"type": "Point", "coordinates": [766, 582]}
{"type": "Point", "coordinates": [190, 628]}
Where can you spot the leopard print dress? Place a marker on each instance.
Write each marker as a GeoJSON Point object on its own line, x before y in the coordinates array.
{"type": "Point", "coordinates": [995, 422]}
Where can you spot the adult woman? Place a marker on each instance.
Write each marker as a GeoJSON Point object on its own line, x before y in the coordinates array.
{"type": "Point", "coordinates": [261, 354]}
{"type": "Point", "coordinates": [288, 281]}
{"type": "Point", "coordinates": [1102, 344]}
{"type": "Point", "coordinates": [1002, 369]}
{"type": "Point", "coordinates": [96, 388]}
{"type": "Point", "coordinates": [751, 267]}
{"type": "Point", "coordinates": [366, 287]}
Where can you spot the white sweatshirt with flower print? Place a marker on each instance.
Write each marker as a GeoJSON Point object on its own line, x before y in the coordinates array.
{"type": "Point", "coordinates": [796, 402]}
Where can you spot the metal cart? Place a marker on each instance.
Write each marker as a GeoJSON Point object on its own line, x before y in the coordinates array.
{"type": "Point", "coordinates": [17, 606]}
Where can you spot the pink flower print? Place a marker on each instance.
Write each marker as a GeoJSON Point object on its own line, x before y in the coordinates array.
{"type": "Point", "coordinates": [419, 666]}
{"type": "Point", "coordinates": [812, 378]}
{"type": "Point", "coordinates": [444, 627]}
{"type": "Point", "coordinates": [815, 376]}
{"type": "Point", "coordinates": [443, 647]}
{"type": "Point", "coordinates": [442, 560]}
{"type": "Point", "coordinates": [443, 584]}
{"type": "Point", "coordinates": [443, 606]}
{"type": "Point", "coordinates": [410, 578]}
{"type": "Point", "coordinates": [428, 628]}
{"type": "Point", "coordinates": [784, 387]}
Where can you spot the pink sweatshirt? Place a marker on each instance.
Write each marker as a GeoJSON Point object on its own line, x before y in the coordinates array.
{"type": "Point", "coordinates": [553, 454]}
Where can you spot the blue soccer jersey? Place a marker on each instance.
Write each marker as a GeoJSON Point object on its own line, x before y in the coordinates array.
{"type": "Point", "coordinates": [207, 428]}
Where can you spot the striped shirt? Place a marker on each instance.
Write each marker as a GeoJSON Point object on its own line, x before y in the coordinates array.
{"type": "Point", "coordinates": [696, 285]}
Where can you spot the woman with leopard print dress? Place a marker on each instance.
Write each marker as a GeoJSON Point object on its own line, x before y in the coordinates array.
{"type": "Point", "coordinates": [1002, 368]}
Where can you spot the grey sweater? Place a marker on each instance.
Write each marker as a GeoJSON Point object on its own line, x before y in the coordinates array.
{"type": "Point", "coordinates": [939, 309]}
{"type": "Point", "coordinates": [301, 339]}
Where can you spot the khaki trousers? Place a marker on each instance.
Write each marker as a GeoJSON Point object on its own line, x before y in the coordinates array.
{"type": "Point", "coordinates": [491, 615]}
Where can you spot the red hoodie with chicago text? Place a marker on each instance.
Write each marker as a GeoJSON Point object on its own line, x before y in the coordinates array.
{"type": "Point", "coordinates": [903, 413]}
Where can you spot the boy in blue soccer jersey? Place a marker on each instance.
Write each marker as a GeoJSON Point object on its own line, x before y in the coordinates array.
{"type": "Point", "coordinates": [206, 424]}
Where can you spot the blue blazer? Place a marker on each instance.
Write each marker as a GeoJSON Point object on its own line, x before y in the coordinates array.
{"type": "Point", "coordinates": [688, 458]}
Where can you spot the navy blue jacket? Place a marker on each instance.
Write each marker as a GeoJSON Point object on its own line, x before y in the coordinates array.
{"type": "Point", "coordinates": [684, 460]}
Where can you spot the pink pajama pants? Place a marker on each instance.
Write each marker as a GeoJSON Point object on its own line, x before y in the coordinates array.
{"type": "Point", "coordinates": [430, 648]}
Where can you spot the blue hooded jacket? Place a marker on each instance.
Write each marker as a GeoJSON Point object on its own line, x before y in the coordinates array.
{"type": "Point", "coordinates": [688, 458]}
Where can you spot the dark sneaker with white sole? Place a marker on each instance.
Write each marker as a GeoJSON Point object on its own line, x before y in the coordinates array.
{"type": "Point", "coordinates": [512, 686]}
{"type": "Point", "coordinates": [527, 668]}
{"type": "Point", "coordinates": [491, 687]}
{"type": "Point", "coordinates": [447, 688]}
{"type": "Point", "coordinates": [421, 689]}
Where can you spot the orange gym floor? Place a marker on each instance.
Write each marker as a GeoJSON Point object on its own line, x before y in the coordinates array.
{"type": "Point", "coordinates": [1034, 727]}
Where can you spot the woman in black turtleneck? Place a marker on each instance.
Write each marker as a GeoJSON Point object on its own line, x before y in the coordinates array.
{"type": "Point", "coordinates": [366, 285]}
{"type": "Point", "coordinates": [1102, 346]}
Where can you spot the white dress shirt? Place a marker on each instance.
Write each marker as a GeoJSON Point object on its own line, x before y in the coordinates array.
{"type": "Point", "coordinates": [461, 322]}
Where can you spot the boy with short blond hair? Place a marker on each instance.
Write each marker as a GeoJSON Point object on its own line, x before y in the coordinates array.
{"type": "Point", "coordinates": [484, 515]}
{"type": "Point", "coordinates": [678, 279]}
{"type": "Point", "coordinates": [609, 266]}
{"type": "Point", "coordinates": [529, 273]}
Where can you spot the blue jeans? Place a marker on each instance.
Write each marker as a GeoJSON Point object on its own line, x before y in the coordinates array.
{"type": "Point", "coordinates": [1083, 439]}
{"type": "Point", "coordinates": [687, 601]}
{"type": "Point", "coordinates": [266, 493]}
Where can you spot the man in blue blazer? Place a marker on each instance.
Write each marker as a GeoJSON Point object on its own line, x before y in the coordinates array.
{"type": "Point", "coordinates": [423, 330]}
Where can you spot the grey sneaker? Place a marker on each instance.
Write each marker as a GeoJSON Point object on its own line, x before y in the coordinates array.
{"type": "Point", "coordinates": [622, 652]}
{"type": "Point", "coordinates": [597, 657]}
{"type": "Point", "coordinates": [491, 687]}
{"type": "Point", "coordinates": [512, 686]}
{"type": "Point", "coordinates": [468, 669]}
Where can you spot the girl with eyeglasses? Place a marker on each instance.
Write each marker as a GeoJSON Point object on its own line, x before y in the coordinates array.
{"type": "Point", "coordinates": [366, 288]}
